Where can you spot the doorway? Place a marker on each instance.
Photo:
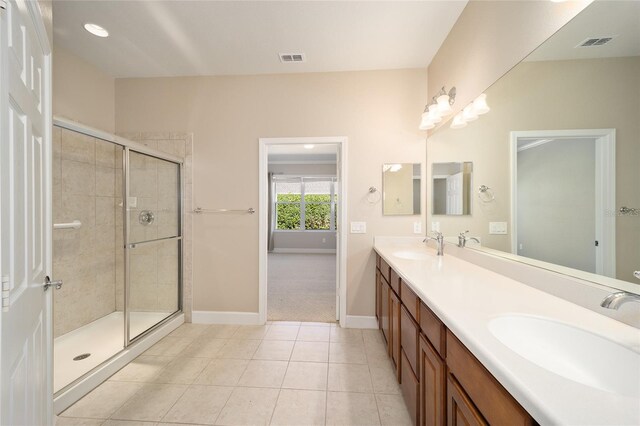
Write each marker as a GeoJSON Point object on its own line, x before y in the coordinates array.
{"type": "Point", "coordinates": [563, 198]}
{"type": "Point", "coordinates": [302, 265]}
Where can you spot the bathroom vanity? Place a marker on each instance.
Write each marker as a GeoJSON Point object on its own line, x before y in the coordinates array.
{"type": "Point", "coordinates": [474, 347]}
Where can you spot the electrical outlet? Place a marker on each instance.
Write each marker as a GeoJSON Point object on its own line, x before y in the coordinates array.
{"type": "Point", "coordinates": [417, 227]}
{"type": "Point", "coordinates": [435, 226]}
{"type": "Point", "coordinates": [358, 227]}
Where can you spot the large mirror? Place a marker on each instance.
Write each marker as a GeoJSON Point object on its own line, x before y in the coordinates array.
{"type": "Point", "coordinates": [401, 189]}
{"type": "Point", "coordinates": [451, 188]}
{"type": "Point", "coordinates": [560, 152]}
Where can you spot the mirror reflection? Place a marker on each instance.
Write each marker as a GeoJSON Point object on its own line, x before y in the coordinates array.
{"type": "Point", "coordinates": [560, 151]}
{"type": "Point", "coordinates": [451, 183]}
{"type": "Point", "coordinates": [401, 189]}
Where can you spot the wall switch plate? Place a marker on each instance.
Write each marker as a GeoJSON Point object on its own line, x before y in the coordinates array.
{"type": "Point", "coordinates": [417, 227]}
{"type": "Point", "coordinates": [435, 226]}
{"type": "Point", "coordinates": [358, 227]}
{"type": "Point", "coordinates": [133, 202]}
{"type": "Point", "coordinates": [498, 228]}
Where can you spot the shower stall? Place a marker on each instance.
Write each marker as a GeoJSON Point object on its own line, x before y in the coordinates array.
{"type": "Point", "coordinates": [117, 245]}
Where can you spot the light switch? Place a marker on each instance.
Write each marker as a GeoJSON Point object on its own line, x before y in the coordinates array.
{"type": "Point", "coordinates": [435, 226]}
{"type": "Point", "coordinates": [417, 227]}
{"type": "Point", "coordinates": [133, 202]}
{"type": "Point", "coordinates": [498, 228]}
{"type": "Point", "coordinates": [358, 227]}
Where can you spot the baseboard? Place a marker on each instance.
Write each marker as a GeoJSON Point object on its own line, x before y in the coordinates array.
{"type": "Point", "coordinates": [356, 321]}
{"type": "Point", "coordinates": [304, 250]}
{"type": "Point", "coordinates": [220, 317]}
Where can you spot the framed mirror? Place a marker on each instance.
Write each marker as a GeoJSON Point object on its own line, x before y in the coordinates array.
{"type": "Point", "coordinates": [451, 185]}
{"type": "Point", "coordinates": [401, 184]}
{"type": "Point", "coordinates": [559, 150]}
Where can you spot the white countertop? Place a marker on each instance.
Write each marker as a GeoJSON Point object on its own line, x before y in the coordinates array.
{"type": "Point", "coordinates": [466, 297]}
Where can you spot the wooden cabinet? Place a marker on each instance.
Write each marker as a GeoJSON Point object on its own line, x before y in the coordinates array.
{"type": "Point", "coordinates": [409, 338]}
{"type": "Point", "coordinates": [378, 295]}
{"type": "Point", "coordinates": [432, 378]}
{"type": "Point", "coordinates": [394, 320]}
{"type": "Point", "coordinates": [384, 310]}
{"type": "Point", "coordinates": [461, 411]}
{"type": "Point", "coordinates": [410, 388]}
{"type": "Point", "coordinates": [434, 329]}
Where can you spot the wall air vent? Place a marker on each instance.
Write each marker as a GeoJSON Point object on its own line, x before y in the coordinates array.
{"type": "Point", "coordinates": [596, 41]}
{"type": "Point", "coordinates": [292, 57]}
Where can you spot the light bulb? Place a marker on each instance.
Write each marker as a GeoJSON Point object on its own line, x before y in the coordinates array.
{"type": "Point", "coordinates": [425, 123]}
{"type": "Point", "coordinates": [469, 113]}
{"type": "Point", "coordinates": [443, 104]}
{"type": "Point", "coordinates": [480, 105]}
{"type": "Point", "coordinates": [458, 122]}
{"type": "Point", "coordinates": [96, 30]}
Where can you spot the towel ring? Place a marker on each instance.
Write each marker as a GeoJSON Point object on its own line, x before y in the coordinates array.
{"type": "Point", "coordinates": [485, 194]}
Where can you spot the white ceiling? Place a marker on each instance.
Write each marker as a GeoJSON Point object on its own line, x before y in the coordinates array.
{"type": "Point", "coordinates": [600, 19]}
{"type": "Point", "coordinates": [321, 153]}
{"type": "Point", "coordinates": [152, 38]}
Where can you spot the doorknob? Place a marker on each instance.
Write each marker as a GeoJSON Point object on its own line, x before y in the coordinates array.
{"type": "Point", "coordinates": [636, 274]}
{"type": "Point", "coordinates": [48, 283]}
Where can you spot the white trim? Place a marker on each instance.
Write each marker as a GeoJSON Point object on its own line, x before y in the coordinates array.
{"type": "Point", "coordinates": [356, 321]}
{"type": "Point", "coordinates": [222, 317]}
{"type": "Point", "coordinates": [534, 144]}
{"type": "Point", "coordinates": [263, 165]}
{"type": "Point", "coordinates": [305, 162]}
{"type": "Point", "coordinates": [304, 250]}
{"type": "Point", "coordinates": [605, 187]}
{"type": "Point", "coordinates": [68, 396]}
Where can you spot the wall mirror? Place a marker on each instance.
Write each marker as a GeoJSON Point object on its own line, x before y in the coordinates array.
{"type": "Point", "coordinates": [560, 151]}
{"type": "Point", "coordinates": [451, 188]}
{"type": "Point", "coordinates": [401, 189]}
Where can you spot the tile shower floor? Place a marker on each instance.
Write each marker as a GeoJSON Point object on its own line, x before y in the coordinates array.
{"type": "Point", "coordinates": [282, 373]}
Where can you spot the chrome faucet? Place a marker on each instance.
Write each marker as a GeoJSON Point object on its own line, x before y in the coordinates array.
{"type": "Point", "coordinates": [439, 239]}
{"type": "Point", "coordinates": [462, 239]}
{"type": "Point", "coordinates": [614, 300]}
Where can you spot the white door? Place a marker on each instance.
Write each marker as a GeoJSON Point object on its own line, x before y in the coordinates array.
{"type": "Point", "coordinates": [454, 194]}
{"type": "Point", "coordinates": [338, 226]}
{"type": "Point", "coordinates": [25, 216]}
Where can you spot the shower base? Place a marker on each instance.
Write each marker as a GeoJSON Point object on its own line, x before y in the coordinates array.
{"type": "Point", "coordinates": [102, 338]}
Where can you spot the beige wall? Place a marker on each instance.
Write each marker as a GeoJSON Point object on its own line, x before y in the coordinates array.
{"type": "Point", "coordinates": [81, 92]}
{"type": "Point", "coordinates": [551, 95]}
{"type": "Point", "coordinates": [489, 38]}
{"type": "Point", "coordinates": [376, 110]}
{"type": "Point", "coordinates": [398, 191]}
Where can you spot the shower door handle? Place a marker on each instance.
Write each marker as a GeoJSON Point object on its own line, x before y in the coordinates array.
{"type": "Point", "coordinates": [636, 274]}
{"type": "Point", "coordinates": [48, 283]}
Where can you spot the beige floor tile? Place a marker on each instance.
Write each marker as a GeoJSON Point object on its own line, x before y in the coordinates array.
{"type": "Point", "coordinates": [151, 403]}
{"type": "Point", "coordinates": [299, 407]}
{"type": "Point", "coordinates": [238, 349]}
{"type": "Point", "coordinates": [306, 375]}
{"type": "Point", "coordinates": [126, 423]}
{"type": "Point", "coordinates": [314, 334]}
{"type": "Point", "coordinates": [377, 354]}
{"type": "Point", "coordinates": [274, 350]}
{"type": "Point", "coordinates": [310, 351]}
{"type": "Point", "coordinates": [384, 379]}
{"type": "Point", "coordinates": [316, 324]}
{"type": "Point", "coordinates": [74, 421]}
{"type": "Point", "coordinates": [282, 332]}
{"type": "Point", "coordinates": [264, 374]}
{"type": "Point", "coordinates": [249, 406]}
{"type": "Point", "coordinates": [347, 352]}
{"type": "Point", "coordinates": [372, 336]}
{"type": "Point", "coordinates": [189, 330]}
{"type": "Point", "coordinates": [352, 409]}
{"type": "Point", "coordinates": [145, 368]}
{"type": "Point", "coordinates": [222, 372]}
{"type": "Point", "coordinates": [393, 411]}
{"type": "Point", "coordinates": [169, 346]}
{"type": "Point", "coordinates": [182, 371]}
{"type": "Point", "coordinates": [339, 334]}
{"type": "Point", "coordinates": [199, 404]}
{"type": "Point", "coordinates": [285, 322]}
{"type": "Point", "coordinates": [349, 378]}
{"type": "Point", "coordinates": [103, 401]}
{"type": "Point", "coordinates": [251, 332]}
{"type": "Point", "coordinates": [221, 331]}
{"type": "Point", "coordinates": [203, 347]}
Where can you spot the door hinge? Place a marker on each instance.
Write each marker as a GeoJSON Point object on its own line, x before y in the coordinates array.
{"type": "Point", "coordinates": [3, 4]}
{"type": "Point", "coordinates": [597, 243]}
{"type": "Point", "coordinates": [6, 292]}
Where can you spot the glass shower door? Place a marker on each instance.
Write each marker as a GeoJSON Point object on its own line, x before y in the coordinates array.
{"type": "Point", "coordinates": [154, 241]}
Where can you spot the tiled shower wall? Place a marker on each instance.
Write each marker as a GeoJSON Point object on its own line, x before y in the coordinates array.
{"type": "Point", "coordinates": [85, 172]}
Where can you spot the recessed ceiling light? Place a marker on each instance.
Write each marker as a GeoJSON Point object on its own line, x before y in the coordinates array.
{"type": "Point", "coordinates": [96, 30]}
{"type": "Point", "coordinates": [309, 146]}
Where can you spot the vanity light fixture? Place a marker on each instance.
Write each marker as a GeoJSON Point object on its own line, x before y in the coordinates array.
{"type": "Point", "coordinates": [96, 30]}
{"type": "Point", "coordinates": [308, 146]}
{"type": "Point", "coordinates": [445, 100]}
{"type": "Point", "coordinates": [480, 105]}
{"type": "Point", "coordinates": [469, 113]}
{"type": "Point", "coordinates": [439, 106]}
{"type": "Point", "coordinates": [458, 121]}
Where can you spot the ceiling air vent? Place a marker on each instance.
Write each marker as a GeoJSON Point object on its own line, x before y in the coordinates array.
{"type": "Point", "coordinates": [291, 57]}
{"type": "Point", "coordinates": [596, 41]}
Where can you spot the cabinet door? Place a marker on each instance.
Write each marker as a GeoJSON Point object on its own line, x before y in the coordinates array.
{"type": "Point", "coordinates": [378, 294]}
{"type": "Point", "coordinates": [410, 389]}
{"type": "Point", "coordinates": [461, 411]}
{"type": "Point", "coordinates": [432, 377]}
{"type": "Point", "coordinates": [384, 311]}
{"type": "Point", "coordinates": [394, 319]}
{"type": "Point", "coordinates": [409, 338]}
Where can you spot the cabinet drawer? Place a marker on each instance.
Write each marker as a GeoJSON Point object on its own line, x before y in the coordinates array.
{"type": "Point", "coordinates": [385, 270]}
{"type": "Point", "coordinates": [411, 301]}
{"type": "Point", "coordinates": [377, 261]}
{"type": "Point", "coordinates": [433, 328]}
{"type": "Point", "coordinates": [461, 410]}
{"type": "Point", "coordinates": [432, 378]}
{"type": "Point", "coordinates": [395, 282]}
{"type": "Point", "coordinates": [409, 338]}
{"type": "Point", "coordinates": [409, 387]}
{"type": "Point", "coordinates": [494, 402]}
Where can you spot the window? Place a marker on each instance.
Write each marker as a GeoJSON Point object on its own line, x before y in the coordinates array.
{"type": "Point", "coordinates": [305, 203]}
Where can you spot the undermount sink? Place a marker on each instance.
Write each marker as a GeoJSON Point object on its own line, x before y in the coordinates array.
{"type": "Point", "coordinates": [571, 352]}
{"type": "Point", "coordinates": [411, 255]}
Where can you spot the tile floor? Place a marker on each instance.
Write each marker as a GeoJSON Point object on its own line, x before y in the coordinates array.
{"type": "Point", "coordinates": [283, 373]}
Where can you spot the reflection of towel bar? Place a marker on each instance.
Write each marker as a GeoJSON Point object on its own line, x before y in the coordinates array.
{"type": "Point", "coordinates": [629, 211]}
{"type": "Point", "coordinates": [76, 224]}
{"type": "Point", "coordinates": [199, 210]}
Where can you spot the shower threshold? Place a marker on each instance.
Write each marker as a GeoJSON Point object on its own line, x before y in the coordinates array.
{"type": "Point", "coordinates": [101, 339]}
